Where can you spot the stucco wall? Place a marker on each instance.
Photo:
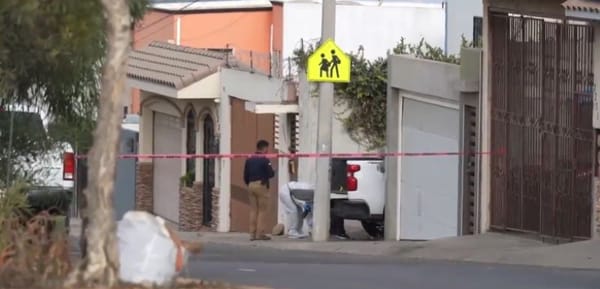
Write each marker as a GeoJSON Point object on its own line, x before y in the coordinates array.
{"type": "Point", "coordinates": [460, 21]}
{"type": "Point", "coordinates": [178, 109]}
{"type": "Point", "coordinates": [424, 76]}
{"type": "Point", "coordinates": [376, 28]}
{"type": "Point", "coordinates": [277, 22]}
{"type": "Point", "coordinates": [254, 87]}
{"type": "Point", "coordinates": [156, 25]}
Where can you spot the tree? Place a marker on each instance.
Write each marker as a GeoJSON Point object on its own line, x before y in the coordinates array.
{"type": "Point", "coordinates": [51, 52]}
{"type": "Point", "coordinates": [50, 60]}
{"type": "Point", "coordinates": [51, 56]}
{"type": "Point", "coordinates": [101, 263]}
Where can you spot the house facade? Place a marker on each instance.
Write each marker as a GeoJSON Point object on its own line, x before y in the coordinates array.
{"type": "Point", "coordinates": [192, 102]}
{"type": "Point", "coordinates": [243, 27]}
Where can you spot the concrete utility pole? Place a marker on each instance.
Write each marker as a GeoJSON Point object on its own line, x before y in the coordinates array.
{"type": "Point", "coordinates": [323, 186]}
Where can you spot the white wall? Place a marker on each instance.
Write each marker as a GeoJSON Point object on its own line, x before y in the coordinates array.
{"type": "Point", "coordinates": [460, 21]}
{"type": "Point", "coordinates": [376, 28]}
{"type": "Point", "coordinates": [379, 28]}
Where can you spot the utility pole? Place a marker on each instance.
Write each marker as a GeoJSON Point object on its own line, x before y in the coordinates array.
{"type": "Point", "coordinates": [323, 186]}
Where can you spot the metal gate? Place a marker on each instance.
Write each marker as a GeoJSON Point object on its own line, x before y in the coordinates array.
{"type": "Point", "coordinates": [542, 84]}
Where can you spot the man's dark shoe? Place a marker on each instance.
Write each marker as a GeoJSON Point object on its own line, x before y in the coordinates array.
{"type": "Point", "coordinates": [341, 237]}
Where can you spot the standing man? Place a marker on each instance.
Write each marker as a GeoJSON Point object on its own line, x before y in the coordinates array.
{"type": "Point", "coordinates": [257, 172]}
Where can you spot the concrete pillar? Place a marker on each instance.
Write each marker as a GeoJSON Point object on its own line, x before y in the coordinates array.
{"type": "Point", "coordinates": [308, 107]}
{"type": "Point", "coordinates": [144, 188]}
{"type": "Point", "coordinates": [283, 176]}
{"type": "Point", "coordinates": [146, 131]}
{"type": "Point", "coordinates": [485, 121]}
{"type": "Point", "coordinates": [224, 120]}
{"type": "Point", "coordinates": [392, 164]}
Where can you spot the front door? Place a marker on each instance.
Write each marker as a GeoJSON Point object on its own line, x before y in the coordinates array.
{"type": "Point", "coordinates": [208, 170]}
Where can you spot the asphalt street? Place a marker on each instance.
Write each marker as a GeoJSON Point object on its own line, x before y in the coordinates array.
{"type": "Point", "coordinates": [306, 270]}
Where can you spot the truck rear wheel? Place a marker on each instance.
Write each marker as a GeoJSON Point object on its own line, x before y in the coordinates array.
{"type": "Point", "coordinates": [373, 228]}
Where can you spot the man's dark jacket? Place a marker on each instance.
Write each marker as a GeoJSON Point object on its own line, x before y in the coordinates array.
{"type": "Point", "coordinates": [258, 168]}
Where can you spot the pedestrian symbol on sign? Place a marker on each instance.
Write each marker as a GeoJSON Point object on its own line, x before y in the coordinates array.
{"type": "Point", "coordinates": [328, 64]}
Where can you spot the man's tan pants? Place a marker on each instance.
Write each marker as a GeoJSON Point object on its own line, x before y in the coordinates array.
{"type": "Point", "coordinates": [258, 208]}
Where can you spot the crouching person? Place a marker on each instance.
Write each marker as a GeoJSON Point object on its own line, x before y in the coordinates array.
{"type": "Point", "coordinates": [296, 211]}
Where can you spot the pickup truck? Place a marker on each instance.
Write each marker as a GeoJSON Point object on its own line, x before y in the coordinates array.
{"type": "Point", "coordinates": [358, 192]}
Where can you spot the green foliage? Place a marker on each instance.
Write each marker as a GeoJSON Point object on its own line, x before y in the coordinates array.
{"type": "Point", "coordinates": [187, 180]}
{"type": "Point", "coordinates": [424, 50]}
{"type": "Point", "coordinates": [50, 59]}
{"type": "Point", "coordinates": [13, 202]}
{"type": "Point", "coordinates": [51, 52]}
{"type": "Point", "coordinates": [76, 131]}
{"type": "Point", "coordinates": [29, 143]}
{"type": "Point", "coordinates": [300, 55]}
{"type": "Point", "coordinates": [365, 96]}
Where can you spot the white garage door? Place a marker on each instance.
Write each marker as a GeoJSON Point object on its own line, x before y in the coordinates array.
{"type": "Point", "coordinates": [429, 190]}
{"type": "Point", "coordinates": [167, 140]}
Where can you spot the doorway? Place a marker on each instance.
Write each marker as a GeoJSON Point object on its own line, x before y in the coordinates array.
{"type": "Point", "coordinates": [208, 170]}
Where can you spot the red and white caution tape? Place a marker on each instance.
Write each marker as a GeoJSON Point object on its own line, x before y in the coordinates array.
{"type": "Point", "coordinates": [299, 155]}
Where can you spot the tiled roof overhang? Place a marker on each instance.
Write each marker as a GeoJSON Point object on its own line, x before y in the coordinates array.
{"type": "Point", "coordinates": [175, 66]}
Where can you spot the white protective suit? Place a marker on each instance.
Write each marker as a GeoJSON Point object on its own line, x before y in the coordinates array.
{"type": "Point", "coordinates": [293, 210]}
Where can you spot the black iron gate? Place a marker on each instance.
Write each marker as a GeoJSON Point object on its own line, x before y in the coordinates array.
{"type": "Point", "coordinates": [209, 171]}
{"type": "Point", "coordinates": [542, 85]}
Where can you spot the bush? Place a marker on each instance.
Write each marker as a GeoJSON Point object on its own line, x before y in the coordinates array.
{"type": "Point", "coordinates": [32, 251]}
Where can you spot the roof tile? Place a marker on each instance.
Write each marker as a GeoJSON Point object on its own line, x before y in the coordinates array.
{"type": "Point", "coordinates": [175, 66]}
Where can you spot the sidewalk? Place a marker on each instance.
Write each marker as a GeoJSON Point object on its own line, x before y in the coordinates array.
{"type": "Point", "coordinates": [487, 248]}
{"type": "Point", "coordinates": [492, 248]}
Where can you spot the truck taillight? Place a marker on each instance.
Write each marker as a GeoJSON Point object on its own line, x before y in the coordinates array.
{"type": "Point", "coordinates": [68, 166]}
{"type": "Point", "coordinates": [351, 181]}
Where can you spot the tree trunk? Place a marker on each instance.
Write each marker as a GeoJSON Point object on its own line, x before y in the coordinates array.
{"type": "Point", "coordinates": [100, 266]}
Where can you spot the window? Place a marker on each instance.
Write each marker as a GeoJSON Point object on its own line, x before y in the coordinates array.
{"type": "Point", "coordinates": [477, 30]}
{"type": "Point", "coordinates": [293, 124]}
{"type": "Point", "coordinates": [190, 165]}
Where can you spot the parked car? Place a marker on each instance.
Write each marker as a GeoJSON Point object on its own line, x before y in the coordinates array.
{"type": "Point", "coordinates": [29, 129]}
{"type": "Point", "coordinates": [358, 192]}
{"type": "Point", "coordinates": [54, 200]}
{"type": "Point", "coordinates": [46, 169]}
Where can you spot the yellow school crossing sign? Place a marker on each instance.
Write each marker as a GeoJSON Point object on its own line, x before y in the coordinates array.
{"type": "Point", "coordinates": [328, 64]}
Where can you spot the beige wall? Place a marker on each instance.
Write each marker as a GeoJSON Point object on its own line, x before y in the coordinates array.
{"type": "Point", "coordinates": [177, 108]}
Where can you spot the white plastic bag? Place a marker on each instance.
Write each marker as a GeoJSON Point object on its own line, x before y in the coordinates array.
{"type": "Point", "coordinates": [147, 252]}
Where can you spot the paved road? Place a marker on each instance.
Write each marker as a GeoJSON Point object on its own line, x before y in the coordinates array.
{"type": "Point", "coordinates": [299, 270]}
